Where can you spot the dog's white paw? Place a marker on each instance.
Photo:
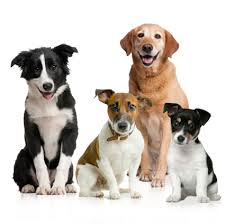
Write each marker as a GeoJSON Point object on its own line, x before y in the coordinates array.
{"type": "Point", "coordinates": [70, 188]}
{"type": "Point", "coordinates": [135, 194]}
{"type": "Point", "coordinates": [99, 194]}
{"type": "Point", "coordinates": [28, 189]}
{"type": "Point", "coordinates": [58, 190]}
{"type": "Point", "coordinates": [173, 198]}
{"type": "Point", "coordinates": [43, 190]}
{"type": "Point", "coordinates": [215, 197]}
{"type": "Point", "coordinates": [114, 195]}
{"type": "Point", "coordinates": [203, 199]}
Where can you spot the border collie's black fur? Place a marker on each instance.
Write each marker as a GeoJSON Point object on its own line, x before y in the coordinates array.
{"type": "Point", "coordinates": [50, 122]}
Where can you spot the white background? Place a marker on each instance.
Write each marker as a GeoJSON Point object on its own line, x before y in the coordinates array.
{"type": "Point", "coordinates": [95, 28]}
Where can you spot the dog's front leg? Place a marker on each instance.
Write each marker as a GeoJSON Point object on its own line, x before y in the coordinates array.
{"type": "Point", "coordinates": [42, 174]}
{"type": "Point", "coordinates": [133, 179]}
{"type": "Point", "coordinates": [62, 171]}
{"type": "Point", "coordinates": [108, 174]}
{"type": "Point", "coordinates": [159, 178]}
{"type": "Point", "coordinates": [176, 188]}
{"type": "Point", "coordinates": [201, 188]}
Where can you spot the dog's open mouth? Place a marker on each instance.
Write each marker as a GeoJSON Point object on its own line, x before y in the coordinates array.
{"type": "Point", "coordinates": [147, 59]}
{"type": "Point", "coordinates": [46, 95]}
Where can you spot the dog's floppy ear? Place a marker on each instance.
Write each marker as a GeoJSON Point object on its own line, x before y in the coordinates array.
{"type": "Point", "coordinates": [171, 45]}
{"type": "Point", "coordinates": [171, 108]}
{"type": "Point", "coordinates": [21, 59]}
{"type": "Point", "coordinates": [203, 115]}
{"type": "Point", "coordinates": [144, 101]}
{"type": "Point", "coordinates": [65, 51]}
{"type": "Point", "coordinates": [126, 42]}
{"type": "Point", "coordinates": [104, 94]}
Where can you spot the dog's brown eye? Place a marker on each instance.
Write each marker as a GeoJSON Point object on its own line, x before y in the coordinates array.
{"type": "Point", "coordinates": [114, 107]}
{"type": "Point", "coordinates": [157, 36]}
{"type": "Point", "coordinates": [131, 107]}
{"type": "Point", "coordinates": [140, 35]}
{"type": "Point", "coordinates": [191, 126]}
{"type": "Point", "coordinates": [36, 68]}
{"type": "Point", "coordinates": [53, 67]}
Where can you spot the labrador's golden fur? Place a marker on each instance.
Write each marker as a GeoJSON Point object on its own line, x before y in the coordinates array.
{"type": "Point", "coordinates": [158, 82]}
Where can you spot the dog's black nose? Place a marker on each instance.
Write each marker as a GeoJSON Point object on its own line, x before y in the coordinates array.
{"type": "Point", "coordinates": [180, 138]}
{"type": "Point", "coordinates": [47, 86]}
{"type": "Point", "coordinates": [147, 48]}
{"type": "Point", "coordinates": [122, 125]}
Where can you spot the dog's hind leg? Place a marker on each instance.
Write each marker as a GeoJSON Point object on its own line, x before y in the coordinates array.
{"type": "Point", "coordinates": [87, 178]}
{"type": "Point", "coordinates": [24, 173]}
{"type": "Point", "coordinates": [212, 192]}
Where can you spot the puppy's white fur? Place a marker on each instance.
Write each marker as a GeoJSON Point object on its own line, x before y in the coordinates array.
{"type": "Point", "coordinates": [187, 166]}
{"type": "Point", "coordinates": [116, 157]}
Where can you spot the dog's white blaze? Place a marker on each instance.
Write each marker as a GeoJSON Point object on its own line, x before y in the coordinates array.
{"type": "Point", "coordinates": [44, 75]}
{"type": "Point", "coordinates": [177, 134]}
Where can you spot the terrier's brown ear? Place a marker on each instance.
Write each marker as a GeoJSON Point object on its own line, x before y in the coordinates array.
{"type": "Point", "coordinates": [144, 101]}
{"type": "Point", "coordinates": [104, 94]}
{"type": "Point", "coordinates": [126, 42]}
{"type": "Point", "coordinates": [171, 45]}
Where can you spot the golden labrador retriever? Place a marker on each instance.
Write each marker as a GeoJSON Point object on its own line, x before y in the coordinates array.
{"type": "Point", "coordinates": [153, 75]}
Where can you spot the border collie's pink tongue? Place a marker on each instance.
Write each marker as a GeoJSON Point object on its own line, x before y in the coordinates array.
{"type": "Point", "coordinates": [147, 60]}
{"type": "Point", "coordinates": [47, 96]}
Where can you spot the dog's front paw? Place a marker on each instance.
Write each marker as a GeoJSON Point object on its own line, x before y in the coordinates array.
{"type": "Point", "coordinates": [28, 189]}
{"type": "Point", "coordinates": [58, 190]}
{"type": "Point", "coordinates": [145, 175]}
{"type": "Point", "coordinates": [173, 198]}
{"type": "Point", "coordinates": [114, 195]}
{"type": "Point", "coordinates": [135, 194]}
{"type": "Point", "coordinates": [203, 199]}
{"type": "Point", "coordinates": [43, 190]}
{"type": "Point", "coordinates": [70, 188]}
{"type": "Point", "coordinates": [158, 180]}
{"type": "Point", "coordinates": [99, 194]}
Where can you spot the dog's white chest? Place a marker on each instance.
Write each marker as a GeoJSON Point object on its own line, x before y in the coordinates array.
{"type": "Point", "coordinates": [50, 121]}
{"type": "Point", "coordinates": [185, 161]}
{"type": "Point", "coordinates": [121, 153]}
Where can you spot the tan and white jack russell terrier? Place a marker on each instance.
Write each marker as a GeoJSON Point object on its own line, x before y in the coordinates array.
{"type": "Point", "coordinates": [116, 150]}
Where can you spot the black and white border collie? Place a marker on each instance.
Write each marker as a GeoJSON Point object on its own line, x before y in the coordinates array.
{"type": "Point", "coordinates": [189, 166]}
{"type": "Point", "coordinates": [44, 166]}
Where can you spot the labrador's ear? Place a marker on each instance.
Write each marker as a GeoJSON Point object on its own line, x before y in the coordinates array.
{"type": "Point", "coordinates": [171, 45]}
{"type": "Point", "coordinates": [144, 101]}
{"type": "Point", "coordinates": [65, 51]}
{"type": "Point", "coordinates": [126, 42]}
{"type": "Point", "coordinates": [104, 94]}
{"type": "Point", "coordinates": [203, 115]}
{"type": "Point", "coordinates": [21, 59]}
{"type": "Point", "coordinates": [171, 108]}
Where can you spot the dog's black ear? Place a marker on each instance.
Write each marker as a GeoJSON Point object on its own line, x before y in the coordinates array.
{"type": "Point", "coordinates": [171, 108]}
{"type": "Point", "coordinates": [21, 59]}
{"type": "Point", "coordinates": [104, 94]}
{"type": "Point", "coordinates": [144, 101]}
{"type": "Point", "coordinates": [203, 115]}
{"type": "Point", "coordinates": [65, 51]}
